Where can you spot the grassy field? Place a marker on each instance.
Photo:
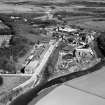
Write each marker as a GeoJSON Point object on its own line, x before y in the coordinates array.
{"type": "Point", "coordinates": [95, 25]}
{"type": "Point", "coordinates": [10, 82]}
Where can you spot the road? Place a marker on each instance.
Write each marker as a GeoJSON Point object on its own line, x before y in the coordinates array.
{"type": "Point", "coordinates": [32, 95]}
{"type": "Point", "coordinates": [30, 68]}
{"type": "Point", "coordinates": [23, 75]}
{"type": "Point", "coordinates": [41, 65]}
{"type": "Point", "coordinates": [34, 80]}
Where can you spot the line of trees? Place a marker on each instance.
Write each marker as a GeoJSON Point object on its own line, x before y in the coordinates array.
{"type": "Point", "coordinates": [101, 42]}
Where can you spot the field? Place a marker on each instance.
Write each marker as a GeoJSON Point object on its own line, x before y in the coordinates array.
{"type": "Point", "coordinates": [24, 19]}
{"type": "Point", "coordinates": [10, 82]}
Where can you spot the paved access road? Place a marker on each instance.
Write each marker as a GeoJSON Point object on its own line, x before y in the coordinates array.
{"type": "Point", "coordinates": [41, 65]}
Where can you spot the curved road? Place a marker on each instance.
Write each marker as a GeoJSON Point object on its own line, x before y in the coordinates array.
{"type": "Point", "coordinates": [41, 66]}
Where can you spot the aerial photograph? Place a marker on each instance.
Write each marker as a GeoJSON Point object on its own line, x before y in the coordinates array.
{"type": "Point", "coordinates": [52, 52]}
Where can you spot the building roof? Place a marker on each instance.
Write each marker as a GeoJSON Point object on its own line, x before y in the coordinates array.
{"type": "Point", "coordinates": [67, 29]}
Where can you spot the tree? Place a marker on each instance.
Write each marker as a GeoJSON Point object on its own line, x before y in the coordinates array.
{"type": "Point", "coordinates": [101, 42]}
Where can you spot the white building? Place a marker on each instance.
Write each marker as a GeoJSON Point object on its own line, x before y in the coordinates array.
{"type": "Point", "coordinates": [67, 29]}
